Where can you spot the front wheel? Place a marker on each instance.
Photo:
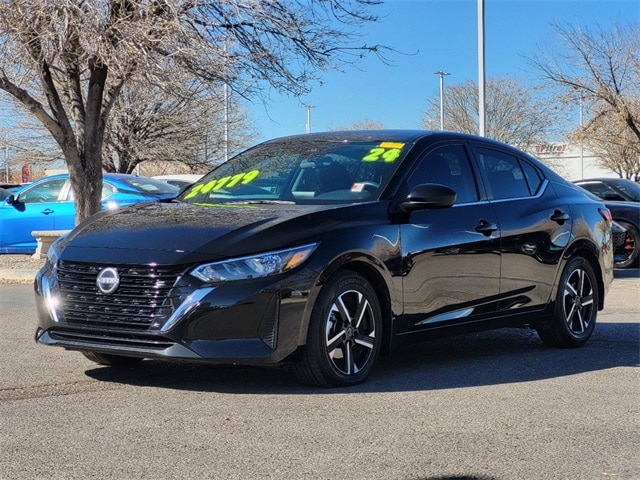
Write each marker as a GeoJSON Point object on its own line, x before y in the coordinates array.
{"type": "Point", "coordinates": [576, 307]}
{"type": "Point", "coordinates": [345, 334]}
{"type": "Point", "coordinates": [111, 360]}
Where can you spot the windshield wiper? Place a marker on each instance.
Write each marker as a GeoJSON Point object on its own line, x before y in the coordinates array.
{"type": "Point", "coordinates": [262, 202]}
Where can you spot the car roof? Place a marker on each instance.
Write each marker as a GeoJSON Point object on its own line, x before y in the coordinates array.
{"type": "Point", "coordinates": [604, 179]}
{"type": "Point", "coordinates": [393, 135]}
{"type": "Point", "coordinates": [398, 135]}
{"type": "Point", "coordinates": [113, 176]}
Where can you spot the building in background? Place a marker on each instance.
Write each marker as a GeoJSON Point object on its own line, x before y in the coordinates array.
{"type": "Point", "coordinates": [570, 160]}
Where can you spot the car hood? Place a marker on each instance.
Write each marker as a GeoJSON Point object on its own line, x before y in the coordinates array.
{"type": "Point", "coordinates": [184, 233]}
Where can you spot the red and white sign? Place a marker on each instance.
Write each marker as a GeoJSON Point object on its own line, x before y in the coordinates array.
{"type": "Point", "coordinates": [26, 173]}
{"type": "Point", "coordinates": [550, 149]}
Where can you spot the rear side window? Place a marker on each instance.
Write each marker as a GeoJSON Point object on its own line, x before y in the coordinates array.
{"type": "Point", "coordinates": [531, 175]}
{"type": "Point", "coordinates": [508, 176]}
{"type": "Point", "coordinates": [107, 191]}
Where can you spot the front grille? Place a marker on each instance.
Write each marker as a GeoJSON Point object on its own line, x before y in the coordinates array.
{"type": "Point", "coordinates": [84, 339]}
{"type": "Point", "coordinates": [144, 299]}
{"type": "Point", "coordinates": [619, 238]}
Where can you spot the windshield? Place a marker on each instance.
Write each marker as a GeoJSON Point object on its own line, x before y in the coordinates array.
{"type": "Point", "coordinates": [153, 186]}
{"type": "Point", "coordinates": [301, 171]}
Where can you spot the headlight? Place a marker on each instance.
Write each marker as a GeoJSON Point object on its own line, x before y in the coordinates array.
{"type": "Point", "coordinates": [53, 253]}
{"type": "Point", "coordinates": [254, 266]}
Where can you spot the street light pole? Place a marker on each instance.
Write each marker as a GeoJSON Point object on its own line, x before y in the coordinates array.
{"type": "Point", "coordinates": [308, 124]}
{"type": "Point", "coordinates": [6, 157]}
{"type": "Point", "coordinates": [442, 74]}
{"type": "Point", "coordinates": [581, 135]}
{"type": "Point", "coordinates": [226, 123]}
{"type": "Point", "coordinates": [226, 110]}
{"type": "Point", "coordinates": [481, 71]}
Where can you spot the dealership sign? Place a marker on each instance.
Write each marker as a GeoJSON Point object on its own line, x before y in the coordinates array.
{"type": "Point", "coordinates": [26, 173]}
{"type": "Point", "coordinates": [550, 149]}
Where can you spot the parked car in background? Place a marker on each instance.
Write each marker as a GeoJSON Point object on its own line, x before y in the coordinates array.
{"type": "Point", "coordinates": [321, 251]}
{"type": "Point", "coordinates": [627, 215]}
{"type": "Point", "coordinates": [47, 204]}
{"type": "Point", "coordinates": [622, 198]}
{"type": "Point", "coordinates": [180, 180]}
{"type": "Point", "coordinates": [620, 243]}
{"type": "Point", "coordinates": [616, 189]}
{"type": "Point", "coordinates": [13, 187]}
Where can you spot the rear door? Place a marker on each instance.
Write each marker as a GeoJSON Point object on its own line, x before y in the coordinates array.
{"type": "Point", "coordinates": [535, 226]}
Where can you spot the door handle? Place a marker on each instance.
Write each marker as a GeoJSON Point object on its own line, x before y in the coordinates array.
{"type": "Point", "coordinates": [47, 211]}
{"type": "Point", "coordinates": [559, 216]}
{"type": "Point", "coordinates": [486, 228]}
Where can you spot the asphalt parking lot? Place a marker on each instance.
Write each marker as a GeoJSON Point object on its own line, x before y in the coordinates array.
{"type": "Point", "coordinates": [497, 406]}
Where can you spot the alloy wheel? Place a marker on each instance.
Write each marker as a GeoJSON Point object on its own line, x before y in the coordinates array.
{"type": "Point", "coordinates": [578, 301]}
{"type": "Point", "coordinates": [350, 332]}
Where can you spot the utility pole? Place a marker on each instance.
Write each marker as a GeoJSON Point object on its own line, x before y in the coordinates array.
{"type": "Point", "coordinates": [226, 109]}
{"type": "Point", "coordinates": [481, 73]}
{"type": "Point", "coordinates": [308, 124]}
{"type": "Point", "coordinates": [442, 74]}
{"type": "Point", "coordinates": [581, 134]}
{"type": "Point", "coordinates": [226, 122]}
{"type": "Point", "coordinates": [6, 157]}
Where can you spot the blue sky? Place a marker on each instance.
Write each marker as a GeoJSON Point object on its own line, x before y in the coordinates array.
{"type": "Point", "coordinates": [442, 35]}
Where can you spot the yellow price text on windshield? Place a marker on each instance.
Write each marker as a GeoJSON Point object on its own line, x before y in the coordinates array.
{"type": "Point", "coordinates": [229, 181]}
{"type": "Point", "coordinates": [387, 152]}
{"type": "Point", "coordinates": [392, 145]}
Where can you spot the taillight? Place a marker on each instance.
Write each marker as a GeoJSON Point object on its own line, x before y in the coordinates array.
{"type": "Point", "coordinates": [606, 214]}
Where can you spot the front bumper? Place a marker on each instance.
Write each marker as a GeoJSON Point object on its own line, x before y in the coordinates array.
{"type": "Point", "coordinates": [258, 322]}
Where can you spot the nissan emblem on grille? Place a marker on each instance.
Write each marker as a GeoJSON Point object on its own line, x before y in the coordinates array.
{"type": "Point", "coordinates": [108, 280]}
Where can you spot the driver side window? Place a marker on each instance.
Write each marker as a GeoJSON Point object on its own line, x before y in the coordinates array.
{"type": "Point", "coordinates": [447, 165]}
{"type": "Point", "coordinates": [48, 191]}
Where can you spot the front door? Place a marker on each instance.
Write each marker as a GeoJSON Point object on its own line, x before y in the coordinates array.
{"type": "Point", "coordinates": [451, 256]}
{"type": "Point", "coordinates": [35, 209]}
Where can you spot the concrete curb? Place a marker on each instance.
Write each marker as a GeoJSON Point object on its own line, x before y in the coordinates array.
{"type": "Point", "coordinates": [17, 275]}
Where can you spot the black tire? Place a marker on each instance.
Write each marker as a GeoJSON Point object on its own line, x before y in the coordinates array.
{"type": "Point", "coordinates": [631, 251]}
{"type": "Point", "coordinates": [111, 360]}
{"type": "Point", "coordinates": [345, 334]}
{"type": "Point", "coordinates": [575, 309]}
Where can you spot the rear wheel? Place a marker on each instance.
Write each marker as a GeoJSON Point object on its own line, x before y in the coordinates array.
{"type": "Point", "coordinates": [345, 334]}
{"type": "Point", "coordinates": [576, 307]}
{"type": "Point", "coordinates": [111, 360]}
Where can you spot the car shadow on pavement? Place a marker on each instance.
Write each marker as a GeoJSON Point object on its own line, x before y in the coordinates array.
{"type": "Point", "coordinates": [491, 358]}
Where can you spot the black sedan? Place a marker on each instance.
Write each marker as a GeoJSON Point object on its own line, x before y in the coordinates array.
{"type": "Point", "coordinates": [622, 198]}
{"type": "Point", "coordinates": [322, 251]}
{"type": "Point", "coordinates": [614, 189]}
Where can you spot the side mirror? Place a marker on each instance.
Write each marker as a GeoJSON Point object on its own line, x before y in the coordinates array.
{"type": "Point", "coordinates": [428, 196]}
{"type": "Point", "coordinates": [10, 200]}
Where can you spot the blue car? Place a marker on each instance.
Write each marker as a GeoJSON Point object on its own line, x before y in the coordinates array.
{"type": "Point", "coordinates": [47, 204]}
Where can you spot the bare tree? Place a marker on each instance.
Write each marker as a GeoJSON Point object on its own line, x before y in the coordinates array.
{"type": "Point", "coordinates": [515, 113]}
{"type": "Point", "coordinates": [184, 128]}
{"type": "Point", "coordinates": [68, 61]}
{"type": "Point", "coordinates": [365, 124]}
{"type": "Point", "coordinates": [24, 142]}
{"type": "Point", "coordinates": [608, 137]}
{"type": "Point", "coordinates": [603, 67]}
